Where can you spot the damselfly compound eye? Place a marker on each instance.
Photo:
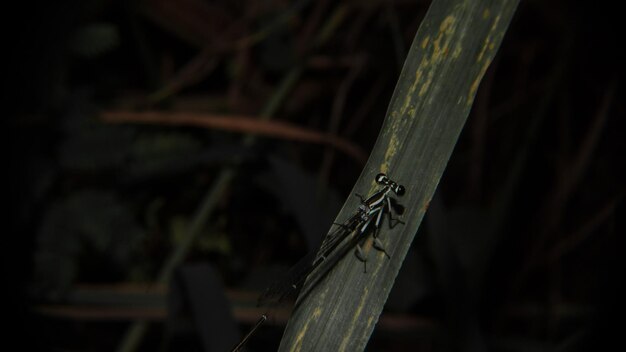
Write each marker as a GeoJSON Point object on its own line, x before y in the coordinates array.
{"type": "Point", "coordinates": [382, 179]}
{"type": "Point", "coordinates": [399, 189]}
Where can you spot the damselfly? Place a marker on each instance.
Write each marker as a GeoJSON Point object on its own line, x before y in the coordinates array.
{"type": "Point", "coordinates": [367, 219]}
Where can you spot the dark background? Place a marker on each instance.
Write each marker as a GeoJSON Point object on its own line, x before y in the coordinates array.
{"type": "Point", "coordinates": [521, 249]}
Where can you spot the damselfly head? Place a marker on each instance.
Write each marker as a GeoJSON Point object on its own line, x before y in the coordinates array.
{"type": "Point", "coordinates": [382, 179]}
{"type": "Point", "coordinates": [397, 189]}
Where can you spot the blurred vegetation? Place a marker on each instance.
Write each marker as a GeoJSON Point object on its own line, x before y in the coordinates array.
{"type": "Point", "coordinates": [93, 203]}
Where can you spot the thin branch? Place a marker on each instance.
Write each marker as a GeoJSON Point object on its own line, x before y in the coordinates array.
{"type": "Point", "coordinates": [245, 124]}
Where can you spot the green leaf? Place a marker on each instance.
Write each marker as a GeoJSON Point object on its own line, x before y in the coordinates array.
{"type": "Point", "coordinates": [452, 50]}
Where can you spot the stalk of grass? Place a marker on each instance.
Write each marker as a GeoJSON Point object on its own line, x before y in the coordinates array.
{"type": "Point", "coordinates": [453, 48]}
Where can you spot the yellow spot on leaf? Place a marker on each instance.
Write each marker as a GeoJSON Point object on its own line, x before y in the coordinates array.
{"type": "Point", "coordinates": [476, 82]}
{"type": "Point", "coordinates": [426, 85]}
{"type": "Point", "coordinates": [300, 337]}
{"type": "Point", "coordinates": [392, 149]}
{"type": "Point", "coordinates": [357, 315]}
{"type": "Point", "coordinates": [317, 313]}
{"type": "Point", "coordinates": [457, 52]}
{"type": "Point", "coordinates": [488, 44]}
{"type": "Point", "coordinates": [446, 24]}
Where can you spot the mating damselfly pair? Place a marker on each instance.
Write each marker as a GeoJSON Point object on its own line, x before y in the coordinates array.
{"type": "Point", "coordinates": [366, 220]}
